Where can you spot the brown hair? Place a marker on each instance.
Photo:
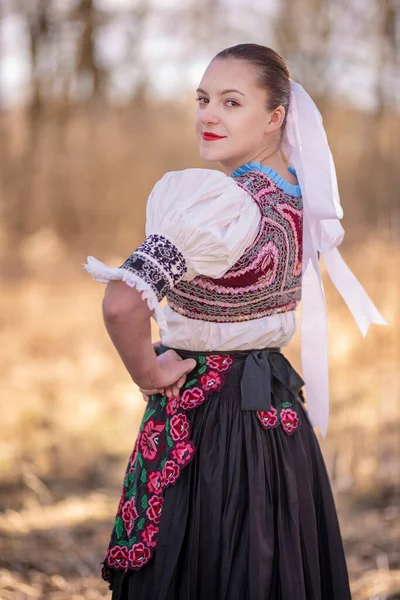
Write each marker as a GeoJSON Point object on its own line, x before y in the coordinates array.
{"type": "Point", "coordinates": [273, 72]}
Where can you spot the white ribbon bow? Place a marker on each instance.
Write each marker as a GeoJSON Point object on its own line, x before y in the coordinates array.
{"type": "Point", "coordinates": [306, 147]}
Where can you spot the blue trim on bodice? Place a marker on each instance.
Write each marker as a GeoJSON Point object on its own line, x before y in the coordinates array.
{"type": "Point", "coordinates": [285, 186]}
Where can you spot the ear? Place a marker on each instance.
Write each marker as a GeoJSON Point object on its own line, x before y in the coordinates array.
{"type": "Point", "coordinates": [276, 119]}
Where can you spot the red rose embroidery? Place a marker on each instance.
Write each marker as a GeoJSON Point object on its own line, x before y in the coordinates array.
{"type": "Point", "coordinates": [183, 452]}
{"type": "Point", "coordinates": [289, 420]}
{"type": "Point", "coordinates": [219, 362]}
{"type": "Point", "coordinates": [268, 418]}
{"type": "Point", "coordinates": [121, 502]}
{"type": "Point", "coordinates": [129, 514]}
{"type": "Point", "coordinates": [150, 443]}
{"type": "Point", "coordinates": [155, 509]}
{"type": "Point", "coordinates": [132, 458]}
{"type": "Point", "coordinates": [170, 472]}
{"type": "Point", "coordinates": [118, 557]}
{"type": "Point", "coordinates": [149, 535]}
{"type": "Point", "coordinates": [211, 381]}
{"type": "Point", "coordinates": [172, 405]}
{"type": "Point", "coordinates": [192, 398]}
{"type": "Point", "coordinates": [179, 427]}
{"type": "Point", "coordinates": [139, 555]}
{"type": "Point", "coordinates": [154, 482]}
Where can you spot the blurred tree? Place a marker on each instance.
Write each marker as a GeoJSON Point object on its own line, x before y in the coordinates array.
{"type": "Point", "coordinates": [85, 54]}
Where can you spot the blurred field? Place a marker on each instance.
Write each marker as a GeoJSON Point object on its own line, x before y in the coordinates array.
{"type": "Point", "coordinates": [69, 416]}
{"type": "Point", "coordinates": [83, 139]}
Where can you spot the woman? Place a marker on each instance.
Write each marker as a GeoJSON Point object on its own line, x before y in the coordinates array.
{"type": "Point", "coordinates": [226, 495]}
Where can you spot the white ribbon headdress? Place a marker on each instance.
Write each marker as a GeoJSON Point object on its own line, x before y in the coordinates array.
{"type": "Point", "coordinates": [306, 147]}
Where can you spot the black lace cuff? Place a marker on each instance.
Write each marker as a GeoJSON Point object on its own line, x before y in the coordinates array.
{"type": "Point", "coordinates": [158, 262]}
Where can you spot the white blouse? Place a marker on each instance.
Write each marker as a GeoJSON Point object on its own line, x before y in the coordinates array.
{"type": "Point", "coordinates": [211, 220]}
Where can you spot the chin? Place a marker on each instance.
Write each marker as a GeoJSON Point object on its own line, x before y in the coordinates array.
{"type": "Point", "coordinates": [211, 155]}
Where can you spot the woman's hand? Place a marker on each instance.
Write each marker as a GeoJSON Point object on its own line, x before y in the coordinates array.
{"type": "Point", "coordinates": [170, 375]}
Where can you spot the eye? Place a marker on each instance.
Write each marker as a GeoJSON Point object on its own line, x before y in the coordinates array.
{"type": "Point", "coordinates": [200, 100]}
{"type": "Point", "coordinates": [234, 103]}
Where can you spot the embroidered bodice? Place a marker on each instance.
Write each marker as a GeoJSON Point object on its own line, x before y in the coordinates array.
{"type": "Point", "coordinates": [266, 279]}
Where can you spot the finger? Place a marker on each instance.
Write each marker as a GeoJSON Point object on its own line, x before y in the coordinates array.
{"type": "Point", "coordinates": [189, 364]}
{"type": "Point", "coordinates": [181, 381]}
{"type": "Point", "coordinates": [151, 392]}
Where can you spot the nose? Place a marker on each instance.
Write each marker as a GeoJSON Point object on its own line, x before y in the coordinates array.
{"type": "Point", "coordinates": [208, 115]}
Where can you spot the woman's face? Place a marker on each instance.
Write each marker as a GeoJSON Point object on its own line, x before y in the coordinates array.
{"type": "Point", "coordinates": [231, 105]}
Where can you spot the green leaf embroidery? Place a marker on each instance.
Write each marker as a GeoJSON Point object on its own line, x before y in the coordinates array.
{"type": "Point", "coordinates": [189, 383]}
{"type": "Point", "coordinates": [143, 477]}
{"type": "Point", "coordinates": [203, 369]}
{"type": "Point", "coordinates": [164, 460]}
{"type": "Point", "coordinates": [163, 401]}
{"type": "Point", "coordinates": [122, 543]}
{"type": "Point", "coordinates": [131, 477]}
{"type": "Point", "coordinates": [132, 541]}
{"type": "Point", "coordinates": [144, 501]}
{"type": "Point", "coordinates": [140, 524]}
{"type": "Point", "coordinates": [169, 441]}
{"type": "Point", "coordinates": [131, 493]}
{"type": "Point", "coordinates": [201, 359]}
{"type": "Point", "coordinates": [166, 425]}
{"type": "Point", "coordinates": [148, 414]}
{"type": "Point", "coordinates": [286, 404]}
{"type": "Point", "coordinates": [119, 526]}
{"type": "Point", "coordinates": [140, 459]}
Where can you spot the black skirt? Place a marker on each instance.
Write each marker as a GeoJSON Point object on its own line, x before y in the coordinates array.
{"type": "Point", "coordinates": [225, 499]}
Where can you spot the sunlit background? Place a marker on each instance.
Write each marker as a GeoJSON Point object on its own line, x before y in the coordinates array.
{"type": "Point", "coordinates": [96, 103]}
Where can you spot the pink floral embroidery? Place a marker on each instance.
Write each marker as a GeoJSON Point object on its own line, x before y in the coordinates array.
{"type": "Point", "coordinates": [149, 443]}
{"type": "Point", "coordinates": [179, 427]}
{"type": "Point", "coordinates": [192, 398]}
{"type": "Point", "coordinates": [139, 555]}
{"type": "Point", "coordinates": [155, 509]}
{"type": "Point", "coordinates": [269, 418]}
{"type": "Point", "coordinates": [118, 557]}
{"type": "Point", "coordinates": [170, 472]}
{"type": "Point", "coordinates": [154, 482]}
{"type": "Point", "coordinates": [149, 535]}
{"type": "Point", "coordinates": [211, 381]}
{"type": "Point", "coordinates": [121, 503]}
{"type": "Point", "coordinates": [289, 420]}
{"type": "Point", "coordinates": [269, 260]}
{"type": "Point", "coordinates": [133, 456]}
{"type": "Point", "coordinates": [129, 514]}
{"type": "Point", "coordinates": [219, 362]}
{"type": "Point", "coordinates": [183, 452]}
{"type": "Point", "coordinates": [172, 405]}
{"type": "Point", "coordinates": [161, 451]}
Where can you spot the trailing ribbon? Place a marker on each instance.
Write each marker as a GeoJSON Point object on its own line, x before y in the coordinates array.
{"type": "Point", "coordinates": [306, 147]}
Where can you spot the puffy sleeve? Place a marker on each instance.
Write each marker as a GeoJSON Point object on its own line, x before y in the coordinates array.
{"type": "Point", "coordinates": [198, 222]}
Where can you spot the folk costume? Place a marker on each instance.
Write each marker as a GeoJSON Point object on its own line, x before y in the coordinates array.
{"type": "Point", "coordinates": [226, 495]}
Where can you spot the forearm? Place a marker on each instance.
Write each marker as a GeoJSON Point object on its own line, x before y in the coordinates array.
{"type": "Point", "coordinates": [127, 320]}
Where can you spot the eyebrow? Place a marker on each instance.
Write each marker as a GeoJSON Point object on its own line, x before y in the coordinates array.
{"type": "Point", "coordinates": [222, 93]}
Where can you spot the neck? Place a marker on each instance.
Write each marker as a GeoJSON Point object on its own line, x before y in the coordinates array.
{"type": "Point", "coordinates": [269, 158]}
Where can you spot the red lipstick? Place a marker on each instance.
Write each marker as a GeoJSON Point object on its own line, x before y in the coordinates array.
{"type": "Point", "coordinates": [211, 137]}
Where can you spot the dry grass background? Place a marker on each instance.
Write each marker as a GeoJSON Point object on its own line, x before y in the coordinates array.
{"type": "Point", "coordinates": [69, 412]}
